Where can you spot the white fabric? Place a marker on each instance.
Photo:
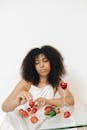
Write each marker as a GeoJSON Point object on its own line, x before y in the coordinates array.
{"type": "Point", "coordinates": [13, 121]}
{"type": "Point", "coordinates": [46, 91]}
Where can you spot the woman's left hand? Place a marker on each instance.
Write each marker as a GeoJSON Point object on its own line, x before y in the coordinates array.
{"type": "Point", "coordinates": [39, 102]}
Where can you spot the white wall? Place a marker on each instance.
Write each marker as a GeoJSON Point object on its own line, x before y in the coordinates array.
{"type": "Point", "coordinates": [25, 24]}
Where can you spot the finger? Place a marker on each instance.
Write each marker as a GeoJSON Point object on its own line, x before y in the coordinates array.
{"type": "Point", "coordinates": [29, 97]}
{"type": "Point", "coordinates": [43, 103]}
{"type": "Point", "coordinates": [26, 97]}
{"type": "Point", "coordinates": [40, 102]}
{"type": "Point", "coordinates": [30, 94]}
{"type": "Point", "coordinates": [23, 101]}
{"type": "Point", "coordinates": [37, 104]}
{"type": "Point", "coordinates": [23, 97]}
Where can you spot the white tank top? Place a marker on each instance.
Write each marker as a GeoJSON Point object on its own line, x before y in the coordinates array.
{"type": "Point", "coordinates": [46, 91]}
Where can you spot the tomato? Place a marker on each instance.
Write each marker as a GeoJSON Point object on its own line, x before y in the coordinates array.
{"type": "Point", "coordinates": [46, 113]}
{"type": "Point", "coordinates": [34, 110]}
{"type": "Point", "coordinates": [34, 119]}
{"type": "Point", "coordinates": [23, 113]}
{"type": "Point", "coordinates": [28, 109]}
{"type": "Point", "coordinates": [48, 108]}
{"type": "Point", "coordinates": [63, 85]}
{"type": "Point", "coordinates": [31, 104]}
{"type": "Point", "coordinates": [67, 114]}
{"type": "Point", "coordinates": [53, 106]}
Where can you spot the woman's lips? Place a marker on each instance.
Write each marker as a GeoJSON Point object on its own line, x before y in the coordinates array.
{"type": "Point", "coordinates": [43, 70]}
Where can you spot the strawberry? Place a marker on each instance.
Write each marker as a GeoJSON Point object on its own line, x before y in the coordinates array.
{"type": "Point", "coordinates": [23, 113]}
{"type": "Point", "coordinates": [31, 104]}
{"type": "Point", "coordinates": [67, 114]}
{"type": "Point", "coordinates": [63, 85]}
{"type": "Point", "coordinates": [34, 119]}
{"type": "Point", "coordinates": [47, 108]}
{"type": "Point", "coordinates": [28, 109]}
{"type": "Point", "coordinates": [34, 110]}
{"type": "Point", "coordinates": [46, 113]}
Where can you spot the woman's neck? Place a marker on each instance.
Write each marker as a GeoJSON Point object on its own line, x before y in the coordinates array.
{"type": "Point", "coordinates": [43, 82]}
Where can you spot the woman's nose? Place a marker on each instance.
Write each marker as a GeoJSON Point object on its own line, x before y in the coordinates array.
{"type": "Point", "coordinates": [41, 64]}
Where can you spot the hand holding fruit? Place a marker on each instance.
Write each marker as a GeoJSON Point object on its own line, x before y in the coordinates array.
{"type": "Point", "coordinates": [39, 102]}
{"type": "Point", "coordinates": [63, 85]}
{"type": "Point", "coordinates": [51, 111]}
{"type": "Point", "coordinates": [23, 113]}
{"type": "Point", "coordinates": [23, 97]}
{"type": "Point", "coordinates": [30, 110]}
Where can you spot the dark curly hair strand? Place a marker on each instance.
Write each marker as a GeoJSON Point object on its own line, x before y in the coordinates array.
{"type": "Point", "coordinates": [29, 72]}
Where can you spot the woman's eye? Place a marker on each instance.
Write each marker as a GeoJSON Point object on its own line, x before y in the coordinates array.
{"type": "Point", "coordinates": [45, 60]}
{"type": "Point", "coordinates": [36, 62]}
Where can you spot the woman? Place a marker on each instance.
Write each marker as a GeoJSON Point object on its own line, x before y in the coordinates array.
{"type": "Point", "coordinates": [42, 72]}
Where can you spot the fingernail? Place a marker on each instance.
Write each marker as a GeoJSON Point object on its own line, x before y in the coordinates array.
{"type": "Point", "coordinates": [36, 104]}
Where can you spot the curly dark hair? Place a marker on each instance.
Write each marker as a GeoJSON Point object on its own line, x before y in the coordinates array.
{"type": "Point", "coordinates": [29, 72]}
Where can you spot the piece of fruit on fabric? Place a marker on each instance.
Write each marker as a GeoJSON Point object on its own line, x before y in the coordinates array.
{"type": "Point", "coordinates": [67, 114]}
{"type": "Point", "coordinates": [31, 104]}
{"type": "Point", "coordinates": [34, 119]}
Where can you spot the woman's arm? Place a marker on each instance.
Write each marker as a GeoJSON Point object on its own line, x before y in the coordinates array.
{"type": "Point", "coordinates": [19, 96]}
{"type": "Point", "coordinates": [65, 98]}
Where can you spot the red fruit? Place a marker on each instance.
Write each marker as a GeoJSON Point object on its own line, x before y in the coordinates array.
{"type": "Point", "coordinates": [63, 85]}
{"type": "Point", "coordinates": [67, 114]}
{"type": "Point", "coordinates": [53, 106]}
{"type": "Point", "coordinates": [46, 113]}
{"type": "Point", "coordinates": [34, 110]}
{"type": "Point", "coordinates": [31, 104]}
{"type": "Point", "coordinates": [21, 111]}
{"type": "Point", "coordinates": [25, 114]}
{"type": "Point", "coordinates": [48, 108]}
{"type": "Point", "coordinates": [28, 109]}
{"type": "Point", "coordinates": [34, 119]}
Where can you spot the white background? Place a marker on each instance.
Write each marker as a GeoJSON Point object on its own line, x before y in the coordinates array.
{"type": "Point", "coordinates": [25, 24]}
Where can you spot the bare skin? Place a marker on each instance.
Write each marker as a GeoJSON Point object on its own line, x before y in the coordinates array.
{"type": "Point", "coordinates": [68, 99]}
{"type": "Point", "coordinates": [21, 94]}
{"type": "Point", "coordinates": [43, 64]}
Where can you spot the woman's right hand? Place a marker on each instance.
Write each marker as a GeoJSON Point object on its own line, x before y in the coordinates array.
{"type": "Point", "coordinates": [23, 97]}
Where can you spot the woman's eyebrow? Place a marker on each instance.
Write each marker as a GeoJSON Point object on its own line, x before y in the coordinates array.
{"type": "Point", "coordinates": [44, 58]}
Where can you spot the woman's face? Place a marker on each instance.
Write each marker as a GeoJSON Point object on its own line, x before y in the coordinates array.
{"type": "Point", "coordinates": [42, 65]}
